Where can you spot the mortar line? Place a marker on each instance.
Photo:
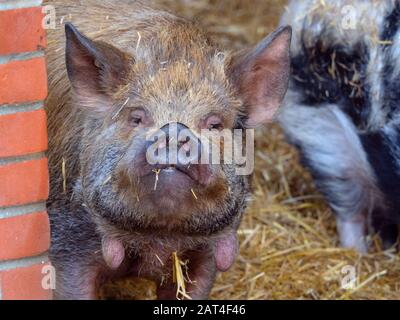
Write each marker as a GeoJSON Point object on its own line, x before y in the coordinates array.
{"type": "Point", "coordinates": [21, 56]}
{"type": "Point", "coordinates": [6, 109]}
{"type": "Point", "coordinates": [27, 157]}
{"type": "Point", "coordinates": [15, 211]}
{"type": "Point", "coordinates": [24, 262]}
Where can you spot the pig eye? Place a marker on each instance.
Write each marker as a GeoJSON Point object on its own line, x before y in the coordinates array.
{"type": "Point", "coordinates": [214, 123]}
{"type": "Point", "coordinates": [137, 117]}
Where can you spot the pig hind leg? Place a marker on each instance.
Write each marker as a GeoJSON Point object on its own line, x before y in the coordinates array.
{"type": "Point", "coordinates": [384, 156]}
{"type": "Point", "coordinates": [332, 150]}
{"type": "Point", "coordinates": [387, 230]}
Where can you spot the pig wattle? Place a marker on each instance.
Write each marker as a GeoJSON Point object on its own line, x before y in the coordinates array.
{"type": "Point", "coordinates": [113, 252]}
{"type": "Point", "coordinates": [226, 249]}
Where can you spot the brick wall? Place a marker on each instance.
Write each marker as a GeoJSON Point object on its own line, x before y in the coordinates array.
{"type": "Point", "coordinates": [24, 225]}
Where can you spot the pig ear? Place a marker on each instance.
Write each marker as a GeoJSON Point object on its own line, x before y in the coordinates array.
{"type": "Point", "coordinates": [94, 68]}
{"type": "Point", "coordinates": [262, 76]}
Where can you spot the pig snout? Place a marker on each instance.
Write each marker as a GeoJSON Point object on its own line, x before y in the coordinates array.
{"type": "Point", "coordinates": [226, 250]}
{"type": "Point", "coordinates": [113, 252]}
{"type": "Point", "coordinates": [177, 154]}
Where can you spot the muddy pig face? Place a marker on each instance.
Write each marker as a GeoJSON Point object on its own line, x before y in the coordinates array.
{"type": "Point", "coordinates": [168, 85]}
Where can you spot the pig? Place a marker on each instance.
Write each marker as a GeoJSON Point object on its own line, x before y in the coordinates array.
{"type": "Point", "coordinates": [341, 111]}
{"type": "Point", "coordinates": [120, 71]}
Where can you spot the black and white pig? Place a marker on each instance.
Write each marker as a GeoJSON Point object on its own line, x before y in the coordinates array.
{"type": "Point", "coordinates": [342, 110]}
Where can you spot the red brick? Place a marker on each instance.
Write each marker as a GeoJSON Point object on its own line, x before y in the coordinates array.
{"type": "Point", "coordinates": [24, 182]}
{"type": "Point", "coordinates": [24, 283]}
{"type": "Point", "coordinates": [21, 30]}
{"type": "Point", "coordinates": [23, 81]}
{"type": "Point", "coordinates": [23, 133]}
{"type": "Point", "coordinates": [24, 236]}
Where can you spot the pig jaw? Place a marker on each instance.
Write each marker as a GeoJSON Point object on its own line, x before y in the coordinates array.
{"type": "Point", "coordinates": [170, 196]}
{"type": "Point", "coordinates": [184, 211]}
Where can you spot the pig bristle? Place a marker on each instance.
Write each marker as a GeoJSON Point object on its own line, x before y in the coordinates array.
{"type": "Point", "coordinates": [120, 109]}
{"type": "Point", "coordinates": [157, 172]}
{"type": "Point", "coordinates": [64, 176]}
{"type": "Point", "coordinates": [107, 180]}
{"type": "Point", "coordinates": [194, 194]}
{"type": "Point", "coordinates": [159, 259]}
{"type": "Point", "coordinates": [138, 40]}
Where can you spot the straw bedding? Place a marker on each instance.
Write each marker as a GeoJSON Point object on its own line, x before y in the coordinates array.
{"type": "Point", "coordinates": [289, 246]}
